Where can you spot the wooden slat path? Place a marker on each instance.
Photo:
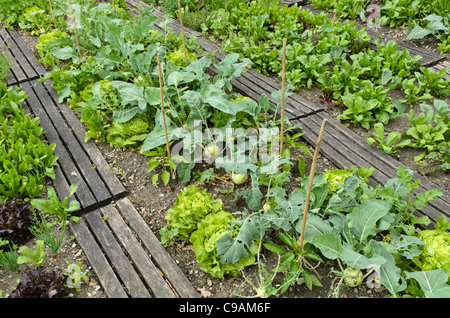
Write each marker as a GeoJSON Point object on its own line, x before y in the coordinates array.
{"type": "Point", "coordinates": [24, 66]}
{"type": "Point", "coordinates": [428, 58]}
{"type": "Point", "coordinates": [345, 148]}
{"type": "Point", "coordinates": [79, 162]}
{"type": "Point", "coordinates": [127, 257]}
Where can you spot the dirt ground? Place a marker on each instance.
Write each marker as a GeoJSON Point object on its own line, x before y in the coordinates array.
{"type": "Point", "coordinates": [153, 200]}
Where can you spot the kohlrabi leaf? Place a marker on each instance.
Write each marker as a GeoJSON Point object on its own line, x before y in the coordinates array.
{"type": "Point", "coordinates": [430, 281]}
{"type": "Point", "coordinates": [364, 218]}
{"type": "Point", "coordinates": [329, 244]}
{"type": "Point", "coordinates": [389, 273]}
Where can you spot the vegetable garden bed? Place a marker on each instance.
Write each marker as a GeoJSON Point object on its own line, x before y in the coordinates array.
{"type": "Point", "coordinates": [358, 217]}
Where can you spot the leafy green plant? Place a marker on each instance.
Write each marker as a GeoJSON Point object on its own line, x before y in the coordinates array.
{"type": "Point", "coordinates": [27, 159]}
{"type": "Point", "coordinates": [54, 206]}
{"type": "Point", "coordinates": [47, 231]}
{"type": "Point", "coordinates": [435, 24]}
{"type": "Point", "coordinates": [167, 236]}
{"type": "Point", "coordinates": [429, 128]}
{"type": "Point", "coordinates": [209, 231]}
{"type": "Point", "coordinates": [389, 144]}
{"type": "Point", "coordinates": [32, 257]}
{"type": "Point", "coordinates": [192, 206]}
{"type": "Point", "coordinates": [75, 276]}
{"type": "Point", "coordinates": [359, 110]}
{"type": "Point", "coordinates": [436, 248]}
{"type": "Point", "coordinates": [440, 157]}
{"type": "Point", "coordinates": [160, 158]}
{"type": "Point", "coordinates": [8, 258]}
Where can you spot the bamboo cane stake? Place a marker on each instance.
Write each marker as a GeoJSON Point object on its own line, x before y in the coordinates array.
{"type": "Point", "coordinates": [162, 108]}
{"type": "Point", "coordinates": [182, 33]}
{"type": "Point", "coordinates": [311, 177]}
{"type": "Point", "coordinates": [114, 6]}
{"type": "Point", "coordinates": [75, 29]}
{"type": "Point", "coordinates": [53, 15]}
{"type": "Point", "coordinates": [283, 80]}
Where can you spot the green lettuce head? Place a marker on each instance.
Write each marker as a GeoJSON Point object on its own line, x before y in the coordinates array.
{"type": "Point", "coordinates": [190, 208]}
{"type": "Point", "coordinates": [49, 37]}
{"type": "Point", "coordinates": [205, 238]}
{"type": "Point", "coordinates": [335, 178]}
{"type": "Point", "coordinates": [177, 57]}
{"type": "Point", "coordinates": [436, 251]}
{"type": "Point", "coordinates": [130, 134]}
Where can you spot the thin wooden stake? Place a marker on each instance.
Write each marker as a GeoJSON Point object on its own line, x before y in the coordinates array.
{"type": "Point", "coordinates": [75, 29]}
{"type": "Point", "coordinates": [182, 33]}
{"type": "Point", "coordinates": [53, 15]}
{"type": "Point", "coordinates": [283, 79]}
{"type": "Point", "coordinates": [162, 107]}
{"type": "Point", "coordinates": [114, 6]}
{"type": "Point", "coordinates": [311, 178]}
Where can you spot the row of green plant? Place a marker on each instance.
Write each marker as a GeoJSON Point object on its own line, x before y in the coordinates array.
{"type": "Point", "coordinates": [27, 164]}
{"type": "Point", "coordinates": [420, 16]}
{"type": "Point", "coordinates": [114, 85]}
{"type": "Point", "coordinates": [194, 13]}
{"type": "Point", "coordinates": [366, 231]}
{"type": "Point", "coordinates": [37, 17]}
{"type": "Point", "coordinates": [334, 56]}
{"type": "Point", "coordinates": [26, 159]}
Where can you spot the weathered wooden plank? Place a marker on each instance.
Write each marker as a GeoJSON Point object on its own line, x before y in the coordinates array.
{"type": "Point", "coordinates": [149, 272]}
{"type": "Point", "coordinates": [93, 180]}
{"type": "Point", "coordinates": [115, 187]}
{"type": "Point", "coordinates": [13, 38]}
{"type": "Point", "coordinates": [127, 274]}
{"type": "Point", "coordinates": [34, 68]}
{"type": "Point", "coordinates": [8, 47]}
{"type": "Point", "coordinates": [105, 274]}
{"type": "Point", "coordinates": [68, 167]}
{"type": "Point", "coordinates": [159, 254]}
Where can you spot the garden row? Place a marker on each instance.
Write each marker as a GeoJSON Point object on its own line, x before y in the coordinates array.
{"type": "Point", "coordinates": [27, 164]}
{"type": "Point", "coordinates": [421, 18]}
{"type": "Point", "coordinates": [335, 57]}
{"type": "Point", "coordinates": [116, 72]}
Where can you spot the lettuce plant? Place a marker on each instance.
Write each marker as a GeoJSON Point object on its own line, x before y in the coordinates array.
{"type": "Point", "coordinates": [38, 283]}
{"type": "Point", "coordinates": [16, 219]}
{"type": "Point", "coordinates": [190, 208]}
{"type": "Point", "coordinates": [204, 239]}
{"type": "Point", "coordinates": [436, 248]}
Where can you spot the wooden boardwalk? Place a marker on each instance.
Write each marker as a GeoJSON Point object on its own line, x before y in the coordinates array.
{"type": "Point", "coordinates": [24, 66]}
{"type": "Point", "coordinates": [127, 257]}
